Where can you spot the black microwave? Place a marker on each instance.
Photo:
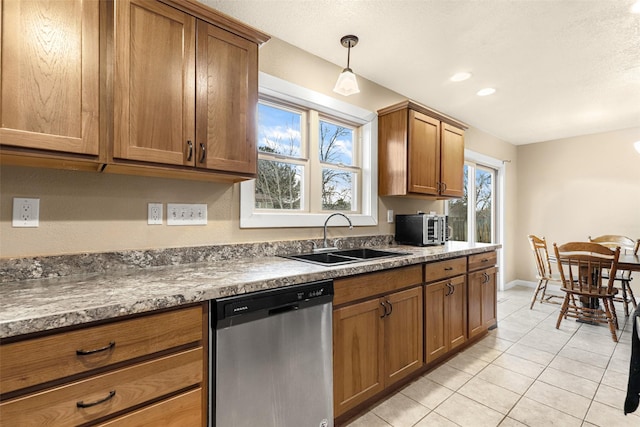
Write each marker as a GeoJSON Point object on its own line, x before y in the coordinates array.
{"type": "Point", "coordinates": [422, 229]}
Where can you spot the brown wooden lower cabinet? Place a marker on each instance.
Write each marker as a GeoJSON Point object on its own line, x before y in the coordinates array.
{"type": "Point", "coordinates": [482, 301]}
{"type": "Point", "coordinates": [376, 342]}
{"type": "Point", "coordinates": [73, 378]}
{"type": "Point", "coordinates": [445, 316]}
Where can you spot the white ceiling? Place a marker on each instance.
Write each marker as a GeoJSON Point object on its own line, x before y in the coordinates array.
{"type": "Point", "coordinates": [561, 68]}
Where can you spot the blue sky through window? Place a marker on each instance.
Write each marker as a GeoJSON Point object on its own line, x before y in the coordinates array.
{"type": "Point", "coordinates": [279, 131]}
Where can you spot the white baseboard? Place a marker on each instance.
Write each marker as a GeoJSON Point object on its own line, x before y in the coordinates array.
{"type": "Point", "coordinates": [527, 284]}
{"type": "Point", "coordinates": [519, 282]}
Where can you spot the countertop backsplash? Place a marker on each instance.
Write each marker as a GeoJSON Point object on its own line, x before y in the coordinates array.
{"type": "Point", "coordinates": [20, 269]}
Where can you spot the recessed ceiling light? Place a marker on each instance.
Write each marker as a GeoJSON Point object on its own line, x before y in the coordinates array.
{"type": "Point", "coordinates": [636, 7]}
{"type": "Point", "coordinates": [486, 91]}
{"type": "Point", "coordinates": [458, 77]}
{"type": "Point", "coordinates": [636, 145]}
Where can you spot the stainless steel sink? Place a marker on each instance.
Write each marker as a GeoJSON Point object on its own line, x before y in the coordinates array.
{"type": "Point", "coordinates": [346, 256]}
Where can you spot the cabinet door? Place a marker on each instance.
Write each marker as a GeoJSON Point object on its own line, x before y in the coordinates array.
{"type": "Point", "coordinates": [358, 367]}
{"type": "Point", "coordinates": [452, 161]}
{"type": "Point", "coordinates": [227, 99]}
{"type": "Point", "coordinates": [445, 316]}
{"type": "Point", "coordinates": [456, 313]}
{"type": "Point", "coordinates": [403, 334]}
{"type": "Point", "coordinates": [482, 300]}
{"type": "Point", "coordinates": [424, 154]}
{"type": "Point", "coordinates": [435, 328]}
{"type": "Point", "coordinates": [49, 78]}
{"type": "Point", "coordinates": [474, 312]}
{"type": "Point", "coordinates": [154, 83]}
{"type": "Point", "coordinates": [489, 298]}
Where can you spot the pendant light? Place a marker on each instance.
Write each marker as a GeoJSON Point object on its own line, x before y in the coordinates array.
{"type": "Point", "coordinates": [347, 83]}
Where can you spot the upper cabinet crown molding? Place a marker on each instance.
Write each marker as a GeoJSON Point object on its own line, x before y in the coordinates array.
{"type": "Point", "coordinates": [409, 104]}
{"type": "Point", "coordinates": [220, 19]}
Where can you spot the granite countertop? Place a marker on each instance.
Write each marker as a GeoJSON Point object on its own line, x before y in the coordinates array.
{"type": "Point", "coordinates": [31, 306]}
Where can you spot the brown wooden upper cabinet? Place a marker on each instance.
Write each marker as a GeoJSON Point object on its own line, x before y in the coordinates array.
{"type": "Point", "coordinates": [143, 87]}
{"type": "Point", "coordinates": [186, 91]}
{"type": "Point", "coordinates": [49, 77]}
{"type": "Point", "coordinates": [420, 152]}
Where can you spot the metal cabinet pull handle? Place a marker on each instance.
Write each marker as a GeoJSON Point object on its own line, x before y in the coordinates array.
{"type": "Point", "coordinates": [450, 291]}
{"type": "Point", "coordinates": [385, 310]}
{"type": "Point", "coordinates": [97, 350]}
{"type": "Point", "coordinates": [189, 150]}
{"type": "Point", "coordinates": [390, 308]}
{"type": "Point", "coordinates": [444, 187]}
{"type": "Point", "coordinates": [448, 269]}
{"type": "Point", "coordinates": [484, 260]}
{"type": "Point", "coordinates": [81, 404]}
{"type": "Point", "coordinates": [203, 153]}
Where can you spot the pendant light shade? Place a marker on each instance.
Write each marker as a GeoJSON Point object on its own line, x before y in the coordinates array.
{"type": "Point", "coordinates": [347, 83]}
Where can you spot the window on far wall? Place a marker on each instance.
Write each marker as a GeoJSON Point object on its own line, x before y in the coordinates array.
{"type": "Point", "coordinates": [314, 158]}
{"type": "Point", "coordinates": [472, 218]}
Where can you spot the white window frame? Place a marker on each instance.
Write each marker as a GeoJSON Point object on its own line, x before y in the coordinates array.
{"type": "Point", "coordinates": [276, 88]}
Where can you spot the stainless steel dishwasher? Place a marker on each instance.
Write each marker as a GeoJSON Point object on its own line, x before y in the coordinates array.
{"type": "Point", "coordinates": [272, 363]}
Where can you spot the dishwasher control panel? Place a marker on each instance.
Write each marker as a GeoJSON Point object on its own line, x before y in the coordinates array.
{"type": "Point", "coordinates": [271, 302]}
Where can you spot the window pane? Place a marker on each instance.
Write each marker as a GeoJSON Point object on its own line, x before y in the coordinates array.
{"type": "Point", "coordinates": [278, 185]}
{"type": "Point", "coordinates": [279, 131]}
{"type": "Point", "coordinates": [337, 189]}
{"type": "Point", "coordinates": [458, 212]}
{"type": "Point", "coordinates": [484, 210]}
{"type": "Point", "coordinates": [336, 144]}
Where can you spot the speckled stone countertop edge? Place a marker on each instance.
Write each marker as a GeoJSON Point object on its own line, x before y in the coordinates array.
{"type": "Point", "coordinates": [46, 304]}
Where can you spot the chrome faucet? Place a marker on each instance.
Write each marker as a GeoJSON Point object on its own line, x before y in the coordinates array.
{"type": "Point", "coordinates": [327, 221]}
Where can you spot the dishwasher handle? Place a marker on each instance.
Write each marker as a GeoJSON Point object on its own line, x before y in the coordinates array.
{"type": "Point", "coordinates": [284, 309]}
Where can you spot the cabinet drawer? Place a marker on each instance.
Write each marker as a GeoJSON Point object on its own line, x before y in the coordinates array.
{"type": "Point", "coordinates": [443, 269]}
{"type": "Point", "coordinates": [182, 410]}
{"type": "Point", "coordinates": [31, 362]}
{"type": "Point", "coordinates": [484, 260]}
{"type": "Point", "coordinates": [372, 284]}
{"type": "Point", "coordinates": [128, 387]}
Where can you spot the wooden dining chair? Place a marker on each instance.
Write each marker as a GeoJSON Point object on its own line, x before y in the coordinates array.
{"type": "Point", "coordinates": [582, 266]}
{"type": "Point", "coordinates": [629, 246]}
{"type": "Point", "coordinates": [544, 274]}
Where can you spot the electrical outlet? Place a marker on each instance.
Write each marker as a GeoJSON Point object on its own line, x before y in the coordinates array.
{"type": "Point", "coordinates": [186, 214]}
{"type": "Point", "coordinates": [390, 216]}
{"type": "Point", "coordinates": [26, 212]}
{"type": "Point", "coordinates": [154, 214]}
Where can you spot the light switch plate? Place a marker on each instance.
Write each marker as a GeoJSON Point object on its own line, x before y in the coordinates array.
{"type": "Point", "coordinates": [186, 214]}
{"type": "Point", "coordinates": [26, 212]}
{"type": "Point", "coordinates": [390, 216]}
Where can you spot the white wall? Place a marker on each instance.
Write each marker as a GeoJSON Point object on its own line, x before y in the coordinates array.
{"type": "Point", "coordinates": [571, 188]}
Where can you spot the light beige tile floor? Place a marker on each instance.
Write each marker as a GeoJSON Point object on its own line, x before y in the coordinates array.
{"type": "Point", "coordinates": [524, 373]}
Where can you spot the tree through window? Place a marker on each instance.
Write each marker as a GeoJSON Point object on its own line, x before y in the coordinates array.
{"type": "Point", "coordinates": [301, 171]}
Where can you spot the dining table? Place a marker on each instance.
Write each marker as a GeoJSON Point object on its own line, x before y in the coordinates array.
{"type": "Point", "coordinates": [629, 262]}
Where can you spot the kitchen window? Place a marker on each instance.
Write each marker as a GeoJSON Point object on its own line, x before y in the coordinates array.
{"type": "Point", "coordinates": [315, 156]}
